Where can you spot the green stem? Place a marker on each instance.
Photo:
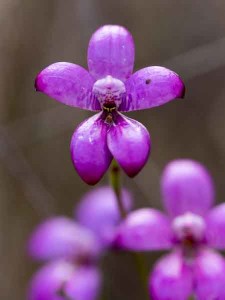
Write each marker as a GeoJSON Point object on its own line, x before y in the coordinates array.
{"type": "Point", "coordinates": [115, 180]}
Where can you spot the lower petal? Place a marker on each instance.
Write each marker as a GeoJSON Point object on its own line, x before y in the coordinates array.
{"type": "Point", "coordinates": [89, 151]}
{"type": "Point", "coordinates": [215, 231]}
{"type": "Point", "coordinates": [62, 280]}
{"type": "Point", "coordinates": [129, 142]}
{"type": "Point", "coordinates": [48, 282]}
{"type": "Point", "coordinates": [209, 276]}
{"type": "Point", "coordinates": [171, 279]}
{"type": "Point", "coordinates": [145, 229]}
{"type": "Point", "coordinates": [85, 284]}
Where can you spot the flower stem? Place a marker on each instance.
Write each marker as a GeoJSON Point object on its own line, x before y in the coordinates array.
{"type": "Point", "coordinates": [115, 180]}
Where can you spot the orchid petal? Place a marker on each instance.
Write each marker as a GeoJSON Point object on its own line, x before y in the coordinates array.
{"type": "Point", "coordinates": [186, 187]}
{"type": "Point", "coordinates": [215, 231]}
{"type": "Point", "coordinates": [48, 283]}
{"type": "Point", "coordinates": [98, 211]}
{"type": "Point", "coordinates": [209, 276]}
{"type": "Point", "coordinates": [129, 142]}
{"type": "Point", "coordinates": [111, 52]}
{"type": "Point", "coordinates": [145, 229]}
{"type": "Point", "coordinates": [69, 84]}
{"type": "Point", "coordinates": [171, 279]}
{"type": "Point", "coordinates": [61, 280]}
{"type": "Point", "coordinates": [61, 237]}
{"type": "Point", "coordinates": [85, 284]}
{"type": "Point", "coordinates": [89, 150]}
{"type": "Point", "coordinates": [150, 87]}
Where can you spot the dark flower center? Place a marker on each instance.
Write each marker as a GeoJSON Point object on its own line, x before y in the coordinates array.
{"type": "Point", "coordinates": [109, 107]}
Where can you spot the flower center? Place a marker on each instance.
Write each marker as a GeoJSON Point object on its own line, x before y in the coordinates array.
{"type": "Point", "coordinates": [189, 229]}
{"type": "Point", "coordinates": [109, 91]}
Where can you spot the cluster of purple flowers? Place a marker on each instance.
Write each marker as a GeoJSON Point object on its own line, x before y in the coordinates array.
{"type": "Point", "coordinates": [191, 228]}
{"type": "Point", "coordinates": [72, 248]}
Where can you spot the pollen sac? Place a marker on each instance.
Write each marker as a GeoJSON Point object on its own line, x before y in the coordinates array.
{"type": "Point", "coordinates": [189, 228]}
{"type": "Point", "coordinates": [110, 92]}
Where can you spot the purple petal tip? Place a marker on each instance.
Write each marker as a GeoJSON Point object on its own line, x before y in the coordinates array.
{"type": "Point", "coordinates": [36, 85]}
{"type": "Point", "coordinates": [182, 90]}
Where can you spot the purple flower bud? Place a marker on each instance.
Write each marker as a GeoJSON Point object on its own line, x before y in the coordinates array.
{"type": "Point", "coordinates": [109, 87]}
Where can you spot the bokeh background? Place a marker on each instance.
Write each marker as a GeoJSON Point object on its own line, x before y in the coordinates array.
{"type": "Point", "coordinates": [37, 178]}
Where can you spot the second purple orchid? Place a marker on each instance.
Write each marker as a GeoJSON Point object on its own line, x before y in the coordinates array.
{"type": "Point", "coordinates": [111, 88]}
{"type": "Point", "coordinates": [192, 229]}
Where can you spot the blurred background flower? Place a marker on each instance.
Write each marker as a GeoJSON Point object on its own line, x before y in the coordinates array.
{"type": "Point", "coordinates": [73, 248]}
{"type": "Point", "coordinates": [37, 177]}
{"type": "Point", "coordinates": [191, 228]}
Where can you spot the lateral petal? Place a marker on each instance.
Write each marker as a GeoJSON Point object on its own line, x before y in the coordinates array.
{"type": "Point", "coordinates": [150, 87]}
{"type": "Point", "coordinates": [69, 84]}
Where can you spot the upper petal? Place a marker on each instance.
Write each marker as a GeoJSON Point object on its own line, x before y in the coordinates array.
{"type": "Point", "coordinates": [111, 52]}
{"type": "Point", "coordinates": [61, 280]}
{"type": "Point", "coordinates": [215, 230]}
{"type": "Point", "coordinates": [209, 276]}
{"type": "Point", "coordinates": [129, 142]}
{"type": "Point", "coordinates": [61, 237]}
{"type": "Point", "coordinates": [150, 87]}
{"type": "Point", "coordinates": [89, 150]}
{"type": "Point", "coordinates": [145, 229]}
{"type": "Point", "coordinates": [98, 210]}
{"type": "Point", "coordinates": [171, 279]}
{"type": "Point", "coordinates": [186, 187]}
{"type": "Point", "coordinates": [67, 83]}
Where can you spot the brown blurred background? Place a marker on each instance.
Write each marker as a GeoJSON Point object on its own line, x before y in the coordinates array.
{"type": "Point", "coordinates": [37, 178]}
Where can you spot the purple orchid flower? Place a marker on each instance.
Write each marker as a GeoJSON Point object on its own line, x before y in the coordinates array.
{"type": "Point", "coordinates": [73, 248]}
{"type": "Point", "coordinates": [190, 229]}
{"type": "Point", "coordinates": [109, 87]}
